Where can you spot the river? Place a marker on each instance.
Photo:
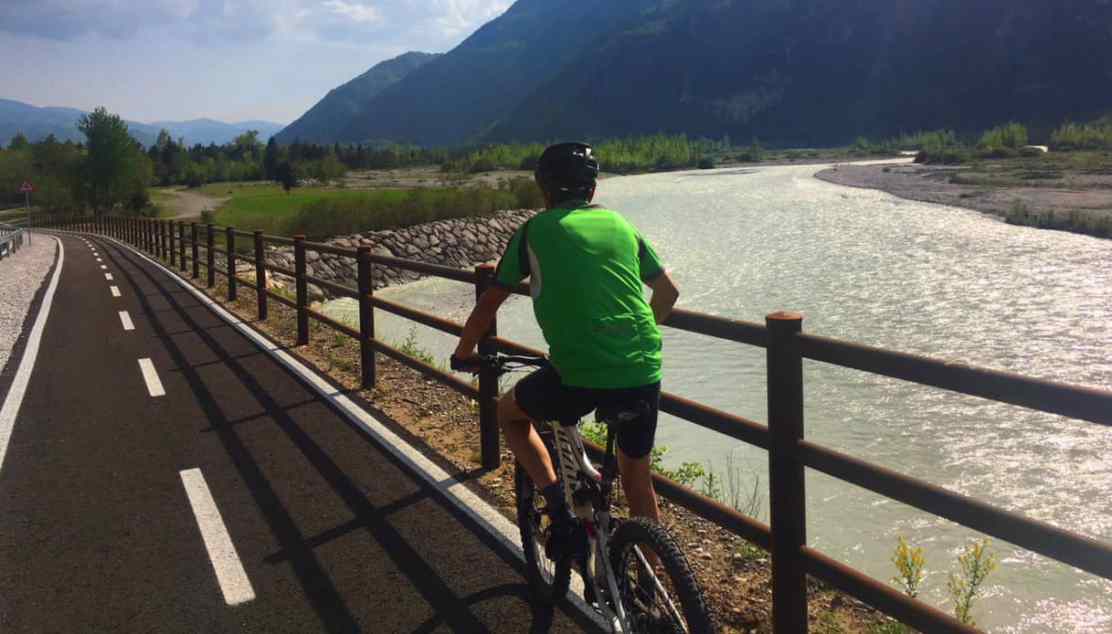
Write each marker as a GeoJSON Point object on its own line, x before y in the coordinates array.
{"type": "Point", "coordinates": [868, 267]}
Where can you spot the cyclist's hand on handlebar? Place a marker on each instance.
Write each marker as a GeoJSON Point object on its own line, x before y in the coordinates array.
{"type": "Point", "coordinates": [470, 364]}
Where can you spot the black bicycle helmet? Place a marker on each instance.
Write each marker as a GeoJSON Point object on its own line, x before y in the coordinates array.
{"type": "Point", "coordinates": [567, 167]}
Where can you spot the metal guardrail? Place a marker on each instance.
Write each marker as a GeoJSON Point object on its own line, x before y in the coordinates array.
{"type": "Point", "coordinates": [11, 240]}
{"type": "Point", "coordinates": [783, 437]}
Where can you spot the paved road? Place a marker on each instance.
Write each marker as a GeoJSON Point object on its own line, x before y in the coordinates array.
{"type": "Point", "coordinates": [98, 530]}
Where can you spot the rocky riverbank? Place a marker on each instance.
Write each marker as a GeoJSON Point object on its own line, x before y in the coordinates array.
{"type": "Point", "coordinates": [1022, 191]}
{"type": "Point", "coordinates": [460, 243]}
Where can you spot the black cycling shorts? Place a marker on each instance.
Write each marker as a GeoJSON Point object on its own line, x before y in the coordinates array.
{"type": "Point", "coordinates": [544, 397]}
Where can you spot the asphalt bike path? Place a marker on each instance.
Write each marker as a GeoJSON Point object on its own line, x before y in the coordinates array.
{"type": "Point", "coordinates": [207, 489]}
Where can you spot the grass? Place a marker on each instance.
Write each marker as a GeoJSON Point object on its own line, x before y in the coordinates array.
{"type": "Point", "coordinates": [268, 208]}
{"type": "Point", "coordinates": [320, 212]}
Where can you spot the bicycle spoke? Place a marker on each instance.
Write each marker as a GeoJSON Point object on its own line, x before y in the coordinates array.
{"type": "Point", "coordinates": [677, 618]}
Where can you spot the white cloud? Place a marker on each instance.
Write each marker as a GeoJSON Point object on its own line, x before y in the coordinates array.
{"type": "Point", "coordinates": [361, 13]}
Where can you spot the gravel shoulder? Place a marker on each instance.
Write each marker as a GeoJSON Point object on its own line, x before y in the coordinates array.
{"type": "Point", "coordinates": [21, 277]}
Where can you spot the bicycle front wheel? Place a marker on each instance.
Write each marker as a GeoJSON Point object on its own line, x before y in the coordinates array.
{"type": "Point", "coordinates": [548, 579]}
{"type": "Point", "coordinates": [657, 587]}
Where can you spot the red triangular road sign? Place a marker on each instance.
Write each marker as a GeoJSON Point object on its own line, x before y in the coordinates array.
{"type": "Point", "coordinates": [26, 187]}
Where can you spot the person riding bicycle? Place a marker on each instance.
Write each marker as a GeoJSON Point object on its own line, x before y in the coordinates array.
{"type": "Point", "coordinates": [586, 265]}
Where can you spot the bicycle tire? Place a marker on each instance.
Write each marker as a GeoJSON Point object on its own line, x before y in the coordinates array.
{"type": "Point", "coordinates": [640, 531]}
{"type": "Point", "coordinates": [549, 586]}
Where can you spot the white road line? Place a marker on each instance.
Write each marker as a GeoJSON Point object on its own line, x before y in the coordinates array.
{"type": "Point", "coordinates": [125, 319]}
{"type": "Point", "coordinates": [115, 291]}
{"type": "Point", "coordinates": [104, 267]}
{"type": "Point", "coordinates": [14, 399]}
{"type": "Point", "coordinates": [108, 276]}
{"type": "Point", "coordinates": [154, 385]}
{"type": "Point", "coordinates": [222, 552]}
{"type": "Point", "coordinates": [99, 260]}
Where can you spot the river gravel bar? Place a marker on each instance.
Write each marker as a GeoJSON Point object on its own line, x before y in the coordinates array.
{"type": "Point", "coordinates": [21, 276]}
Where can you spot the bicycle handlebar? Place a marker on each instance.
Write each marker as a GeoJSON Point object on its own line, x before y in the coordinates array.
{"type": "Point", "coordinates": [500, 363]}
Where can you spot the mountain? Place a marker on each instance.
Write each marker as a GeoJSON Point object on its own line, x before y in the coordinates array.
{"type": "Point", "coordinates": [36, 123]}
{"type": "Point", "coordinates": [800, 72]}
{"type": "Point", "coordinates": [324, 122]}
{"type": "Point", "coordinates": [789, 72]}
{"type": "Point", "coordinates": [456, 98]}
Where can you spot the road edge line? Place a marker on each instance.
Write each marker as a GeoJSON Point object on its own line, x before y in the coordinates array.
{"type": "Point", "coordinates": [14, 399]}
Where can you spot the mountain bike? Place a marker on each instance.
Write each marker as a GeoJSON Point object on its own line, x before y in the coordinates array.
{"type": "Point", "coordinates": [632, 594]}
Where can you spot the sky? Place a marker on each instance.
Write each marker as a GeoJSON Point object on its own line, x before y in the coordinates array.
{"type": "Point", "coordinates": [231, 60]}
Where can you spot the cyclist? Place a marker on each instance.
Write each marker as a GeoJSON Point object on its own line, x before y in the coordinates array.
{"type": "Point", "coordinates": [586, 265]}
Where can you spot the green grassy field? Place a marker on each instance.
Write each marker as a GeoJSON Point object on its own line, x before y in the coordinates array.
{"type": "Point", "coordinates": [321, 212]}
{"type": "Point", "coordinates": [270, 209]}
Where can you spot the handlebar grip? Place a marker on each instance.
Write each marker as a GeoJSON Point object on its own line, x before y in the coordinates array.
{"type": "Point", "coordinates": [473, 364]}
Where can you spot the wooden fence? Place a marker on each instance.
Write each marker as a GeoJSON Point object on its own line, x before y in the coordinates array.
{"type": "Point", "coordinates": [783, 436]}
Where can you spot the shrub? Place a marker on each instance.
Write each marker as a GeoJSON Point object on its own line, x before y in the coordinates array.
{"type": "Point", "coordinates": [1073, 136]}
{"type": "Point", "coordinates": [974, 566]}
{"type": "Point", "coordinates": [706, 163]}
{"type": "Point", "coordinates": [909, 564]}
{"type": "Point", "coordinates": [1010, 135]}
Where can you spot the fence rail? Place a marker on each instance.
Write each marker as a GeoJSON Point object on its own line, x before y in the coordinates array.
{"type": "Point", "coordinates": [783, 437]}
{"type": "Point", "coordinates": [11, 239]}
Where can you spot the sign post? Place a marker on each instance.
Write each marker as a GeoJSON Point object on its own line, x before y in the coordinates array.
{"type": "Point", "coordinates": [27, 188]}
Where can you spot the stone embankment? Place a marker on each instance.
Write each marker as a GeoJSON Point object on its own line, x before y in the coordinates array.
{"type": "Point", "coordinates": [460, 243]}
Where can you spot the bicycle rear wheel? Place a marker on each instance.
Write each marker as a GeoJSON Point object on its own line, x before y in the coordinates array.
{"type": "Point", "coordinates": [667, 599]}
{"type": "Point", "coordinates": [548, 579]}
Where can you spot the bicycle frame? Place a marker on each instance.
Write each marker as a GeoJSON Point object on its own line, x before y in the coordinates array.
{"type": "Point", "coordinates": [587, 492]}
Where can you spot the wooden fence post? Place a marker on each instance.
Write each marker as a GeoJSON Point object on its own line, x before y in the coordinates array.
{"type": "Point", "coordinates": [488, 381]}
{"type": "Point", "coordinates": [181, 246]}
{"type": "Point", "coordinates": [366, 317]}
{"type": "Point", "coordinates": [787, 502]}
{"type": "Point", "coordinates": [210, 257]}
{"type": "Point", "coordinates": [170, 241]}
{"type": "Point", "coordinates": [260, 274]}
{"type": "Point", "coordinates": [194, 237]}
{"type": "Point", "coordinates": [302, 290]}
{"type": "Point", "coordinates": [230, 259]}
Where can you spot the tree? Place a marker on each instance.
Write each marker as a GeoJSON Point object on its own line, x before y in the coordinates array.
{"type": "Point", "coordinates": [18, 142]}
{"type": "Point", "coordinates": [246, 145]}
{"type": "Point", "coordinates": [271, 159]}
{"type": "Point", "coordinates": [115, 168]}
{"type": "Point", "coordinates": [287, 175]}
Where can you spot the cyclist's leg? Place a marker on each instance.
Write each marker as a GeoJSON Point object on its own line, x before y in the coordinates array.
{"type": "Point", "coordinates": [635, 443]}
{"type": "Point", "coordinates": [524, 441]}
{"type": "Point", "coordinates": [637, 483]}
{"type": "Point", "coordinates": [539, 397]}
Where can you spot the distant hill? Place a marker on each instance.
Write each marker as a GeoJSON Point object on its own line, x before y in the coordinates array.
{"type": "Point", "coordinates": [37, 123]}
{"type": "Point", "coordinates": [789, 72]}
{"type": "Point", "coordinates": [325, 121]}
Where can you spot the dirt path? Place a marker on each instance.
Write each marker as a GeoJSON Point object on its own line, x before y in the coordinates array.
{"type": "Point", "coordinates": [190, 204]}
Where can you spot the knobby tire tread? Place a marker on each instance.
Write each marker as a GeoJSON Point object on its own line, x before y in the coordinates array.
{"type": "Point", "coordinates": [639, 530]}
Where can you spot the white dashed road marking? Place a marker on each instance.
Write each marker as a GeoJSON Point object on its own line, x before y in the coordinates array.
{"type": "Point", "coordinates": [154, 385]}
{"type": "Point", "coordinates": [108, 276]}
{"type": "Point", "coordinates": [115, 291]}
{"type": "Point", "coordinates": [125, 319]}
{"type": "Point", "coordinates": [225, 562]}
{"type": "Point", "coordinates": [103, 267]}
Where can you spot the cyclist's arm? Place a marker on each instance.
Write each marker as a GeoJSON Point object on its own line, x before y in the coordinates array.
{"type": "Point", "coordinates": [479, 321]}
{"type": "Point", "coordinates": [664, 296]}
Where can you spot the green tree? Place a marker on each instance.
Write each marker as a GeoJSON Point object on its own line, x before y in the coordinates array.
{"type": "Point", "coordinates": [287, 175]}
{"type": "Point", "coordinates": [115, 169]}
{"type": "Point", "coordinates": [18, 142]}
{"type": "Point", "coordinates": [271, 159]}
{"type": "Point", "coordinates": [246, 146]}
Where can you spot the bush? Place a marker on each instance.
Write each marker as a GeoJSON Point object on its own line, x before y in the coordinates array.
{"type": "Point", "coordinates": [1003, 141]}
{"type": "Point", "coordinates": [706, 163]}
{"type": "Point", "coordinates": [1072, 136]}
{"type": "Point", "coordinates": [943, 156]}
